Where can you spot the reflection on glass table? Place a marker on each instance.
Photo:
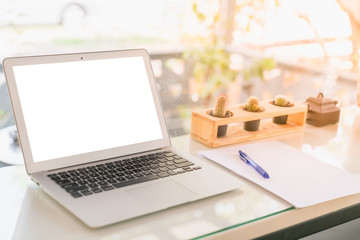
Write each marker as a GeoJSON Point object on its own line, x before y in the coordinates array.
{"type": "Point", "coordinates": [10, 151]}
{"type": "Point", "coordinates": [192, 220]}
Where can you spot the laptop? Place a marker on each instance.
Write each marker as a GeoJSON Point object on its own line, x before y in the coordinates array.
{"type": "Point", "coordinates": [94, 136]}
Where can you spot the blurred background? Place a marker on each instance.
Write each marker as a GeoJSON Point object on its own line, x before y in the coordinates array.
{"type": "Point", "coordinates": [199, 49]}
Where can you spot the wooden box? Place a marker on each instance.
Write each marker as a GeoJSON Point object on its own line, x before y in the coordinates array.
{"type": "Point", "coordinates": [204, 127]}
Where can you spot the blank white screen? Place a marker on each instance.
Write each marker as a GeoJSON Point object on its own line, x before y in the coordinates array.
{"type": "Point", "coordinates": [84, 106]}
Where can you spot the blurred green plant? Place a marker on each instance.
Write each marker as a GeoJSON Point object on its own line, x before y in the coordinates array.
{"type": "Point", "coordinates": [210, 62]}
{"type": "Point", "coordinates": [258, 68]}
{"type": "Point", "coordinates": [2, 115]}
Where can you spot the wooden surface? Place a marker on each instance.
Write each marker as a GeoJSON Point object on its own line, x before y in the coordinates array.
{"type": "Point", "coordinates": [204, 126]}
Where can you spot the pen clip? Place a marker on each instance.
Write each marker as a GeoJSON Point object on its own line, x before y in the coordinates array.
{"type": "Point", "coordinates": [243, 156]}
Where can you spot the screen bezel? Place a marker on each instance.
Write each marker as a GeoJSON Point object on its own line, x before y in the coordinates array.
{"type": "Point", "coordinates": [62, 162]}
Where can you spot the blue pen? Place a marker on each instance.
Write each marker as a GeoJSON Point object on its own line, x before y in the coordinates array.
{"type": "Point", "coordinates": [248, 160]}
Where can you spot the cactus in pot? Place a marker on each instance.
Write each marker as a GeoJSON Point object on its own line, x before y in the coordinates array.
{"type": "Point", "coordinates": [220, 110]}
{"type": "Point", "coordinates": [252, 105]}
{"type": "Point", "coordinates": [220, 106]}
{"type": "Point", "coordinates": [281, 101]}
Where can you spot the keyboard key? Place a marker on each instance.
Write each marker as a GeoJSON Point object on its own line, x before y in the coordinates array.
{"type": "Point", "coordinates": [129, 177]}
{"type": "Point", "coordinates": [86, 192]}
{"type": "Point", "coordinates": [172, 167]}
{"type": "Point", "coordinates": [69, 185]}
{"type": "Point", "coordinates": [196, 168]}
{"type": "Point", "coordinates": [107, 187]}
{"type": "Point", "coordinates": [76, 189]}
{"type": "Point", "coordinates": [83, 182]}
{"type": "Point", "coordinates": [102, 183]}
{"type": "Point", "coordinates": [96, 190]}
{"type": "Point", "coordinates": [184, 164]}
{"type": "Point", "coordinates": [180, 160]}
{"type": "Point", "coordinates": [63, 182]}
{"type": "Point", "coordinates": [155, 171]}
{"type": "Point", "coordinates": [172, 172]}
{"type": "Point", "coordinates": [119, 174]}
{"type": "Point", "coordinates": [120, 179]}
{"type": "Point", "coordinates": [56, 178]}
{"type": "Point", "coordinates": [76, 194]}
{"type": "Point", "coordinates": [65, 175]}
{"type": "Point", "coordinates": [169, 154]}
{"type": "Point", "coordinates": [93, 185]}
{"type": "Point", "coordinates": [135, 181]}
{"type": "Point", "coordinates": [111, 181]}
{"type": "Point", "coordinates": [111, 176]}
{"type": "Point", "coordinates": [163, 174]}
{"type": "Point", "coordinates": [162, 160]}
{"type": "Point", "coordinates": [147, 173]}
{"type": "Point", "coordinates": [74, 179]}
{"type": "Point", "coordinates": [92, 180]}
{"type": "Point", "coordinates": [138, 175]}
{"type": "Point", "coordinates": [154, 166]}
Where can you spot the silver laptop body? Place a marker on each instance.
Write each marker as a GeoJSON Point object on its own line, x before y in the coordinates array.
{"type": "Point", "coordinates": [102, 110]}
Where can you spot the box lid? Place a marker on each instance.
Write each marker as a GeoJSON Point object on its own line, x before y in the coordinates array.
{"type": "Point", "coordinates": [321, 104]}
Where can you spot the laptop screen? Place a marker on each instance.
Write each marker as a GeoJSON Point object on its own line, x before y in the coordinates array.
{"type": "Point", "coordinates": [78, 107]}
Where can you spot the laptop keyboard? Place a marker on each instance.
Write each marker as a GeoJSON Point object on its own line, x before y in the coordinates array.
{"type": "Point", "coordinates": [107, 176]}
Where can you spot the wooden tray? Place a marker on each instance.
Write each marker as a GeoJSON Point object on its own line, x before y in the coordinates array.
{"type": "Point", "coordinates": [204, 127]}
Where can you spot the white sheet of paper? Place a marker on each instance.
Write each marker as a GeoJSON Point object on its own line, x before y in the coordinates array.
{"type": "Point", "coordinates": [296, 177]}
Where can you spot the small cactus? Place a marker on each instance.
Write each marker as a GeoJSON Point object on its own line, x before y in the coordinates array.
{"type": "Point", "coordinates": [280, 100]}
{"type": "Point", "coordinates": [220, 107]}
{"type": "Point", "coordinates": [253, 105]}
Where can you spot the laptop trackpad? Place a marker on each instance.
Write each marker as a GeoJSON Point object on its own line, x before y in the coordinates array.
{"type": "Point", "coordinates": [166, 194]}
